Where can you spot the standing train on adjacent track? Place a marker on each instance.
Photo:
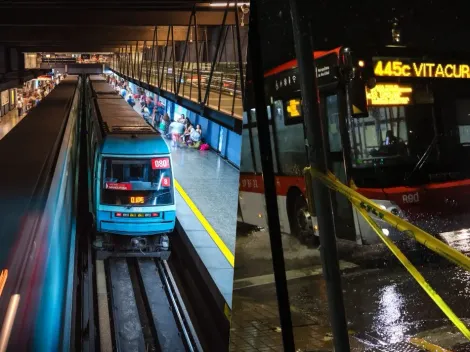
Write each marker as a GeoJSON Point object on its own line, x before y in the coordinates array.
{"type": "Point", "coordinates": [397, 130]}
{"type": "Point", "coordinates": [131, 184]}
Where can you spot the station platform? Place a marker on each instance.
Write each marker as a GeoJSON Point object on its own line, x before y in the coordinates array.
{"type": "Point", "coordinates": [9, 121]}
{"type": "Point", "coordinates": [206, 204]}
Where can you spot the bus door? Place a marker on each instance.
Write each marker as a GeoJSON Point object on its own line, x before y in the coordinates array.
{"type": "Point", "coordinates": [333, 106]}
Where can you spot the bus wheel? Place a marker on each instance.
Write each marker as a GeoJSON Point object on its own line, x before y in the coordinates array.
{"type": "Point", "coordinates": [301, 223]}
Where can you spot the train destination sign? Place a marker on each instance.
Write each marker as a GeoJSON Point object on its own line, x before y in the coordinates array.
{"type": "Point", "coordinates": [389, 94]}
{"type": "Point", "coordinates": [389, 67]}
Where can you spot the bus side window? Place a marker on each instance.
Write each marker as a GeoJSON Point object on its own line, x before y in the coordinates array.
{"type": "Point", "coordinates": [332, 114]}
{"type": "Point", "coordinates": [290, 137]}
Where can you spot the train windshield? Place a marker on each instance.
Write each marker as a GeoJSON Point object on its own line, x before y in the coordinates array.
{"type": "Point", "coordinates": [137, 182]}
{"type": "Point", "coordinates": [425, 133]}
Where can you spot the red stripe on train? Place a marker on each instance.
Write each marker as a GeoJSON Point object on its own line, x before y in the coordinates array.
{"type": "Point", "coordinates": [254, 184]}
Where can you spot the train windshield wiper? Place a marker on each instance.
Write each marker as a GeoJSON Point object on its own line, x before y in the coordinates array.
{"type": "Point", "coordinates": [424, 157]}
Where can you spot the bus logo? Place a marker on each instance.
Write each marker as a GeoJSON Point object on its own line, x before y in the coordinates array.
{"type": "Point", "coordinates": [411, 198]}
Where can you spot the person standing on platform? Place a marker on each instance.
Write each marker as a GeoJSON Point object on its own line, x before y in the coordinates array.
{"type": "Point", "coordinates": [19, 106]}
{"type": "Point", "coordinates": [176, 130]}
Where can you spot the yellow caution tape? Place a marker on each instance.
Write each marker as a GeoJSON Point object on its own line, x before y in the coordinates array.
{"type": "Point", "coordinates": [3, 280]}
{"type": "Point", "coordinates": [427, 345]}
{"type": "Point", "coordinates": [411, 230]}
{"type": "Point", "coordinates": [227, 312]}
{"type": "Point", "coordinates": [413, 271]}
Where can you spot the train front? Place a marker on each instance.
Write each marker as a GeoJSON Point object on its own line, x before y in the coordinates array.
{"type": "Point", "coordinates": [411, 154]}
{"type": "Point", "coordinates": [135, 204]}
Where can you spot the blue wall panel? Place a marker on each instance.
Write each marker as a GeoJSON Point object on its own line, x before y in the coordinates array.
{"type": "Point", "coordinates": [234, 143]}
{"type": "Point", "coordinates": [213, 135]}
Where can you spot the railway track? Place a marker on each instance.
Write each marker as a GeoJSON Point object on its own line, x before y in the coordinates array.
{"type": "Point", "coordinates": [145, 310]}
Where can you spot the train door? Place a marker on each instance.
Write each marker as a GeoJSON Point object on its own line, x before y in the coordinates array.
{"type": "Point", "coordinates": [332, 110]}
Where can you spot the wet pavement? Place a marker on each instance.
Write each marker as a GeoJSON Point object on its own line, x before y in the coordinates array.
{"type": "Point", "coordinates": [384, 305]}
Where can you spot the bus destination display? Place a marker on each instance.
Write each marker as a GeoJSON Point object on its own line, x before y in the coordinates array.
{"type": "Point", "coordinates": [392, 67]}
{"type": "Point", "coordinates": [389, 94]}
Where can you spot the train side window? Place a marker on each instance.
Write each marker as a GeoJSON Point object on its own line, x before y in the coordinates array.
{"type": "Point", "coordinates": [91, 151]}
{"type": "Point", "coordinates": [94, 152]}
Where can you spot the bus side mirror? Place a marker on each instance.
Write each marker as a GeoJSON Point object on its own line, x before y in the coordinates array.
{"type": "Point", "coordinates": [358, 97]}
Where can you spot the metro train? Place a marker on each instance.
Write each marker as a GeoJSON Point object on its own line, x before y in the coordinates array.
{"type": "Point", "coordinates": [131, 183]}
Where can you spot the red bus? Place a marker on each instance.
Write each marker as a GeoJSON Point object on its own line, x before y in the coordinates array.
{"type": "Point", "coordinates": [398, 124]}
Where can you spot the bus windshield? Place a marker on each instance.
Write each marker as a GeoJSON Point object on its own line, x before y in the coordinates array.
{"type": "Point", "coordinates": [431, 127]}
{"type": "Point", "coordinates": [137, 182]}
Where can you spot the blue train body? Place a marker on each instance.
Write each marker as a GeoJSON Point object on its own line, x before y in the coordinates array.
{"type": "Point", "coordinates": [131, 183]}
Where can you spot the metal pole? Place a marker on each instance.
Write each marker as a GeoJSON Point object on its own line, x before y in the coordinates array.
{"type": "Point", "coordinates": [121, 60]}
{"type": "Point", "coordinates": [125, 62]}
{"type": "Point", "coordinates": [157, 54]}
{"type": "Point", "coordinates": [240, 55]}
{"type": "Point", "coordinates": [198, 71]}
{"type": "Point", "coordinates": [164, 58]}
{"type": "Point", "coordinates": [136, 57]}
{"type": "Point", "coordinates": [184, 52]}
{"type": "Point", "coordinates": [205, 44]}
{"type": "Point", "coordinates": [269, 181]}
{"type": "Point", "coordinates": [142, 61]}
{"type": "Point", "coordinates": [173, 58]}
{"type": "Point", "coordinates": [317, 158]}
{"type": "Point", "coordinates": [216, 54]}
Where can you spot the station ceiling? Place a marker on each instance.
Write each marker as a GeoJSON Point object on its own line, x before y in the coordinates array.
{"type": "Point", "coordinates": [103, 26]}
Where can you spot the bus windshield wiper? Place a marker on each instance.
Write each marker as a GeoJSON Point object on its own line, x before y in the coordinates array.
{"type": "Point", "coordinates": [424, 157]}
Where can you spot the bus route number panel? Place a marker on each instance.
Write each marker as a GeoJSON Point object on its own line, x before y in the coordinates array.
{"type": "Point", "coordinates": [394, 67]}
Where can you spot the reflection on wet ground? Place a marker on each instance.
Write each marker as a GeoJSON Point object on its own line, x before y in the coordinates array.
{"type": "Point", "coordinates": [383, 305]}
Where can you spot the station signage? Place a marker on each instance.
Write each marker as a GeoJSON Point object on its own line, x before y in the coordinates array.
{"type": "Point", "coordinates": [393, 67]}
{"type": "Point", "coordinates": [326, 69]}
{"type": "Point", "coordinates": [389, 94]}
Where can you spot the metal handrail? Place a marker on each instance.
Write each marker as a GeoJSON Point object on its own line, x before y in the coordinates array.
{"type": "Point", "coordinates": [225, 82]}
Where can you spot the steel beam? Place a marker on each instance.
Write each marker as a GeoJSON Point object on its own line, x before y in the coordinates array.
{"type": "Point", "coordinates": [92, 33]}
{"type": "Point", "coordinates": [109, 17]}
{"type": "Point", "coordinates": [173, 59]}
{"type": "Point", "coordinates": [184, 53]}
{"type": "Point", "coordinates": [199, 96]}
{"type": "Point", "coordinates": [219, 40]}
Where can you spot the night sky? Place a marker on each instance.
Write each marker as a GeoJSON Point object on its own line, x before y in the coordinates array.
{"type": "Point", "coordinates": [426, 24]}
